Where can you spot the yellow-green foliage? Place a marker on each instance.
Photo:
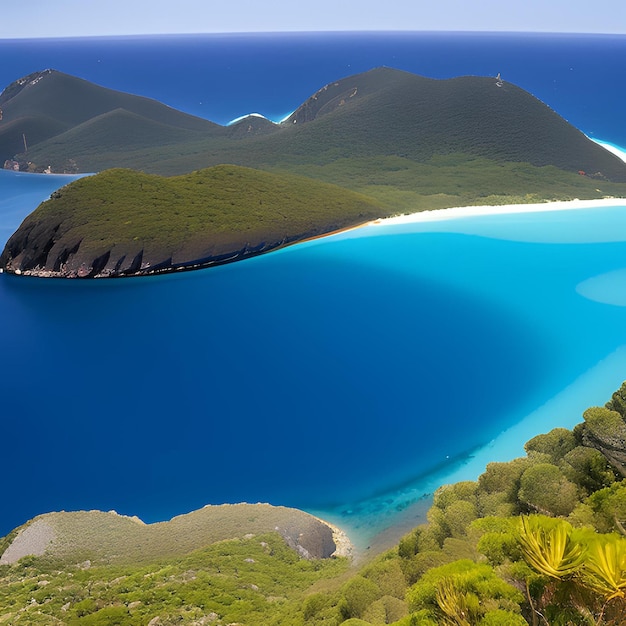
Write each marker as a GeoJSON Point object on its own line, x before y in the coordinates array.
{"type": "Point", "coordinates": [463, 591]}
{"type": "Point", "coordinates": [544, 488]}
{"type": "Point", "coordinates": [606, 425]}
{"type": "Point", "coordinates": [548, 546]}
{"type": "Point", "coordinates": [605, 566]}
{"type": "Point", "coordinates": [585, 571]}
{"type": "Point", "coordinates": [556, 444]}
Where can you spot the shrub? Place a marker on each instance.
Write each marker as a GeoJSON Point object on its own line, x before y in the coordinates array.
{"type": "Point", "coordinates": [357, 595]}
{"type": "Point", "coordinates": [556, 444]}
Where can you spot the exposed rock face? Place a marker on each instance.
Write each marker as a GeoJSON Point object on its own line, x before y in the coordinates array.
{"type": "Point", "coordinates": [310, 540]}
{"type": "Point", "coordinates": [33, 539]}
{"type": "Point", "coordinates": [37, 253]}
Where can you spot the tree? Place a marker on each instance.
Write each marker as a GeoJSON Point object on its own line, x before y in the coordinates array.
{"type": "Point", "coordinates": [544, 488]}
{"type": "Point", "coordinates": [588, 468]}
{"type": "Point", "coordinates": [556, 444]}
{"type": "Point", "coordinates": [618, 401]}
{"type": "Point", "coordinates": [461, 593]}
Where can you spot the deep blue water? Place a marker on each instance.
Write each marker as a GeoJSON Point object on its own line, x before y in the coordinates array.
{"type": "Point", "coordinates": [324, 374]}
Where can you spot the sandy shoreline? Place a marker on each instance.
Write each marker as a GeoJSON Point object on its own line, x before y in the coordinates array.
{"type": "Point", "coordinates": [437, 215]}
{"type": "Point", "coordinates": [441, 215]}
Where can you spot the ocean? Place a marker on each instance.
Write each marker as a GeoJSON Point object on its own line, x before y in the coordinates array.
{"type": "Point", "coordinates": [348, 376]}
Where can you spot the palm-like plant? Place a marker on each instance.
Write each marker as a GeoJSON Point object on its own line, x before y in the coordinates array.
{"type": "Point", "coordinates": [548, 546]}
{"type": "Point", "coordinates": [605, 566]}
{"type": "Point", "coordinates": [460, 607]}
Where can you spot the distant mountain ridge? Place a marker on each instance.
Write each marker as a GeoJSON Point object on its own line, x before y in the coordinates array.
{"type": "Point", "coordinates": [383, 112]}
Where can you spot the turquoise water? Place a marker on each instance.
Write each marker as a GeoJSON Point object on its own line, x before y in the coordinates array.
{"type": "Point", "coordinates": [557, 280]}
{"type": "Point", "coordinates": [339, 375]}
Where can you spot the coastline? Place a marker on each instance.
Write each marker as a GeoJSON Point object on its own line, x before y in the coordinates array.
{"type": "Point", "coordinates": [460, 212]}
{"type": "Point", "coordinates": [437, 215]}
{"type": "Point", "coordinates": [248, 252]}
{"type": "Point", "coordinates": [377, 524]}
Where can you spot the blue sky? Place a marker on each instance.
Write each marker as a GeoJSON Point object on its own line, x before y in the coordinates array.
{"type": "Point", "coordinates": [67, 18]}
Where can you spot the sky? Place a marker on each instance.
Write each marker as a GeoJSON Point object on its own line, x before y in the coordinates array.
{"type": "Point", "coordinates": [75, 18]}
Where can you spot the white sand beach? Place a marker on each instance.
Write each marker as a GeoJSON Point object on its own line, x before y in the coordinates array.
{"type": "Point", "coordinates": [475, 211]}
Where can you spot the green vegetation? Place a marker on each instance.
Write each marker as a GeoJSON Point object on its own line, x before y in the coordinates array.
{"type": "Point", "coordinates": [457, 179]}
{"type": "Point", "coordinates": [495, 552]}
{"type": "Point", "coordinates": [122, 221]}
{"type": "Point", "coordinates": [255, 580]}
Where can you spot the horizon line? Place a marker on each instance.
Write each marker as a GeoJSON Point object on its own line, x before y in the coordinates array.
{"type": "Point", "coordinates": [314, 33]}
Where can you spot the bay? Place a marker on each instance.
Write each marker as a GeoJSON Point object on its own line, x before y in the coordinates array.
{"type": "Point", "coordinates": [348, 375]}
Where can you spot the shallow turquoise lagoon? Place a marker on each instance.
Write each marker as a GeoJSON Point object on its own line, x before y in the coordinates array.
{"type": "Point", "coordinates": [348, 376]}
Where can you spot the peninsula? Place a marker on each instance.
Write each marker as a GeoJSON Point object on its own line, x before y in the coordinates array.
{"type": "Point", "coordinates": [123, 222]}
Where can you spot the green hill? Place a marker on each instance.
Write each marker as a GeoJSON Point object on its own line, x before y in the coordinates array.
{"type": "Point", "coordinates": [397, 113]}
{"type": "Point", "coordinates": [122, 222]}
{"type": "Point", "coordinates": [402, 142]}
{"type": "Point", "coordinates": [380, 113]}
{"type": "Point", "coordinates": [45, 104]}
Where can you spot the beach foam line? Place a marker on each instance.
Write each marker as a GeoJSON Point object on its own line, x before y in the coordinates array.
{"type": "Point", "coordinates": [438, 215]}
